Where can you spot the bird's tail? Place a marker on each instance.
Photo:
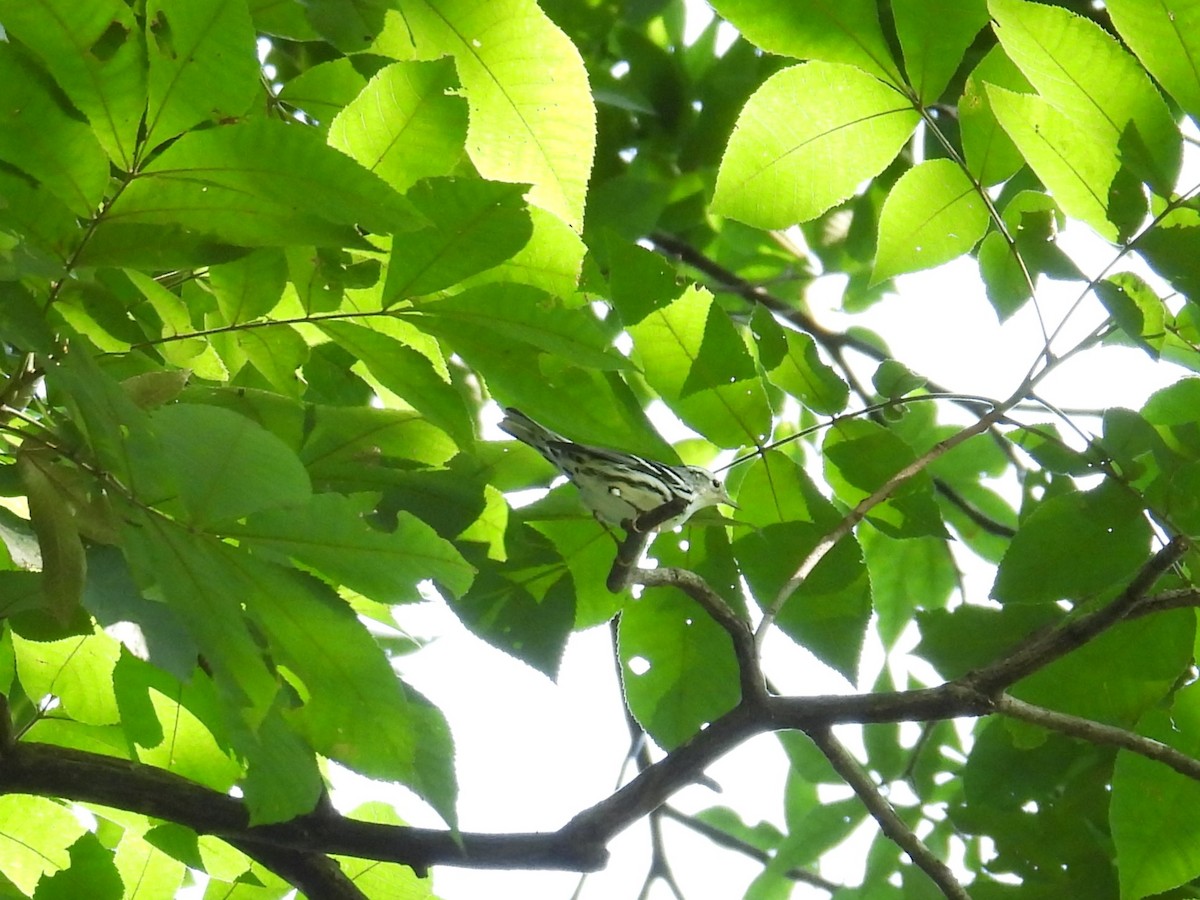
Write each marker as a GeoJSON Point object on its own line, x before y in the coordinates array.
{"type": "Point", "coordinates": [528, 431]}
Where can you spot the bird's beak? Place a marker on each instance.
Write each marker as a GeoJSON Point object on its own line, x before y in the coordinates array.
{"type": "Point", "coordinates": [725, 498]}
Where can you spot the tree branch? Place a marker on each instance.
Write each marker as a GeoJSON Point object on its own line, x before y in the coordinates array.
{"type": "Point", "coordinates": [744, 648]}
{"type": "Point", "coordinates": [296, 849]}
{"type": "Point", "coordinates": [882, 493]}
{"type": "Point", "coordinates": [51, 771]}
{"type": "Point", "coordinates": [1039, 650]}
{"type": "Point", "coordinates": [1179, 598]}
{"type": "Point", "coordinates": [725, 839]}
{"type": "Point", "coordinates": [1099, 733]}
{"type": "Point", "coordinates": [885, 814]}
{"type": "Point", "coordinates": [313, 874]}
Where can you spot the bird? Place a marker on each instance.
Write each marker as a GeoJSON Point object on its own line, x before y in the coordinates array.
{"type": "Point", "coordinates": [637, 494]}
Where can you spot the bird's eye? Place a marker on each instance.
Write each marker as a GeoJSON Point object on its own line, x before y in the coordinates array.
{"type": "Point", "coordinates": [716, 483]}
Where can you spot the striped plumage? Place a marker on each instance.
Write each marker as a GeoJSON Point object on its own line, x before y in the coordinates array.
{"type": "Point", "coordinates": [620, 488]}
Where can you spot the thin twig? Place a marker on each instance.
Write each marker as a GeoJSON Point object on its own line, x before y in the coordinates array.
{"type": "Point", "coordinates": [856, 515]}
{"type": "Point", "coordinates": [1179, 598]}
{"type": "Point", "coordinates": [724, 839]}
{"type": "Point", "coordinates": [1099, 733]}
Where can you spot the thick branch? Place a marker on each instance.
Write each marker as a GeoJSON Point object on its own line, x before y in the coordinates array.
{"type": "Point", "coordinates": [52, 771]}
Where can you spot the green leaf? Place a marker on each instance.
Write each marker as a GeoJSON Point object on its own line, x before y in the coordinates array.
{"type": "Point", "coordinates": [860, 457]}
{"type": "Point", "coordinates": [1155, 812]}
{"type": "Point", "coordinates": [116, 430]}
{"type": "Point", "coordinates": [1113, 679]}
{"type": "Point", "coordinates": [906, 575]}
{"type": "Point", "coordinates": [990, 153]}
{"type": "Point", "coordinates": [228, 466]}
{"type": "Point", "coordinates": [588, 552]}
{"type": "Point", "coordinates": [349, 25]}
{"type": "Point", "coordinates": [77, 670]}
{"type": "Point", "coordinates": [35, 834]}
{"type": "Point", "coordinates": [551, 259]}
{"type": "Point", "coordinates": [1166, 38]}
{"type": "Point", "coordinates": [259, 184]}
{"type": "Point", "coordinates": [91, 874]}
{"type": "Point", "coordinates": [355, 709]}
{"type": "Point", "coordinates": [1137, 310]}
{"type": "Point", "coordinates": [845, 32]}
{"type": "Point", "coordinates": [1075, 160]}
{"type": "Point", "coordinates": [1074, 545]}
{"type": "Point", "coordinates": [249, 287]}
{"type": "Point", "coordinates": [829, 611]}
{"type": "Point", "coordinates": [1033, 220]}
{"type": "Point", "coordinates": [776, 490]}
{"type": "Point", "coordinates": [43, 230]}
{"type": "Point", "coordinates": [721, 358]}
{"type": "Point", "coordinates": [786, 517]}
{"type": "Point", "coordinates": [323, 90]}
{"type": "Point", "coordinates": [1183, 498]}
{"type": "Point", "coordinates": [476, 225]}
{"type": "Point", "coordinates": [893, 379]}
{"type": "Point", "coordinates": [1174, 405]}
{"type": "Point", "coordinates": [282, 778]}
{"type": "Point", "coordinates": [1089, 78]}
{"type": "Point", "coordinates": [203, 66]}
{"type": "Point", "coordinates": [794, 364]}
{"type": "Point", "coordinates": [175, 725]}
{"type": "Point", "coordinates": [641, 281]}
{"type": "Point", "coordinates": [193, 576]}
{"type": "Point", "coordinates": [329, 535]}
{"type": "Point", "coordinates": [523, 318]}
{"type": "Point", "coordinates": [342, 438]}
{"type": "Point", "coordinates": [934, 36]}
{"type": "Point", "coordinates": [141, 863]}
{"type": "Point", "coordinates": [43, 137]}
{"type": "Point", "coordinates": [377, 879]}
{"type": "Point", "coordinates": [789, 162]}
{"type": "Point", "coordinates": [968, 636]}
{"type": "Point", "coordinates": [677, 666]}
{"type": "Point", "coordinates": [95, 52]}
{"type": "Point", "coordinates": [405, 124]}
{"type": "Point", "coordinates": [409, 374]}
{"type": "Point", "coordinates": [528, 124]}
{"type": "Point", "coordinates": [672, 347]}
{"type": "Point", "coordinates": [1171, 250]}
{"type": "Point", "coordinates": [1044, 442]}
{"type": "Point", "coordinates": [822, 827]}
{"type": "Point", "coordinates": [932, 215]}
{"type": "Point", "coordinates": [528, 609]}
{"type": "Point", "coordinates": [63, 562]}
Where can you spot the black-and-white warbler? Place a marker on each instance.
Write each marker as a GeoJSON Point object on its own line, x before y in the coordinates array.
{"type": "Point", "coordinates": [620, 488]}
